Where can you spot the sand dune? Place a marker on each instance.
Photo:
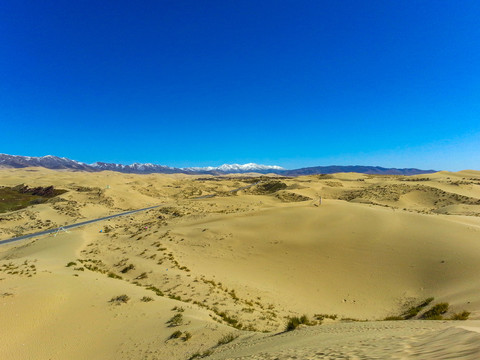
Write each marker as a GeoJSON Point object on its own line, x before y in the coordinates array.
{"type": "Point", "coordinates": [241, 264]}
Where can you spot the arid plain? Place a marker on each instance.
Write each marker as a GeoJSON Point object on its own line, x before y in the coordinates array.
{"type": "Point", "coordinates": [219, 277]}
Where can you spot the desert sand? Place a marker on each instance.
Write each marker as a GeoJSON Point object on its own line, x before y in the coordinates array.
{"type": "Point", "coordinates": [219, 277]}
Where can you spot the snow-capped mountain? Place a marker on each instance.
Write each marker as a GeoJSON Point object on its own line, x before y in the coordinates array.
{"type": "Point", "coordinates": [135, 168]}
{"type": "Point", "coordinates": [49, 162]}
{"type": "Point", "coordinates": [236, 168]}
{"type": "Point", "coordinates": [55, 162]}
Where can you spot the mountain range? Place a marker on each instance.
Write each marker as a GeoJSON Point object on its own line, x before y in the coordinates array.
{"type": "Point", "coordinates": [57, 163]}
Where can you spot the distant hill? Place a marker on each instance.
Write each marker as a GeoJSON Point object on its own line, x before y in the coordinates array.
{"type": "Point", "coordinates": [377, 170]}
{"type": "Point", "coordinates": [58, 163]}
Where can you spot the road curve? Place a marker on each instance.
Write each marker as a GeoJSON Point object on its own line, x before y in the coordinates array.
{"type": "Point", "coordinates": [66, 227]}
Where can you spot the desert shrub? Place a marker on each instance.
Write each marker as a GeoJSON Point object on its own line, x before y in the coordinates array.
{"type": "Point", "coordinates": [460, 316]}
{"type": "Point", "coordinates": [226, 339]}
{"type": "Point", "coordinates": [178, 309]}
{"type": "Point", "coordinates": [292, 323]}
{"type": "Point", "coordinates": [71, 263]}
{"type": "Point", "coordinates": [198, 355]}
{"type": "Point", "coordinates": [176, 320]}
{"type": "Point", "coordinates": [141, 276]}
{"type": "Point", "coordinates": [175, 335]}
{"type": "Point", "coordinates": [395, 317]}
{"type": "Point", "coordinates": [114, 276]}
{"type": "Point", "coordinates": [295, 322]}
{"type": "Point", "coordinates": [320, 317]}
{"type": "Point", "coordinates": [127, 268]}
{"type": "Point", "coordinates": [156, 290]}
{"type": "Point", "coordinates": [121, 299]}
{"type": "Point", "coordinates": [175, 297]}
{"type": "Point", "coordinates": [436, 312]}
{"type": "Point", "coordinates": [231, 320]}
{"type": "Point", "coordinates": [187, 336]}
{"type": "Point", "coordinates": [414, 310]}
{"type": "Point", "coordinates": [146, 299]}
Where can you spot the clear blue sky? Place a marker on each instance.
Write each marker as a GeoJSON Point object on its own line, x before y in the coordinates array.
{"type": "Point", "coordinates": [291, 83]}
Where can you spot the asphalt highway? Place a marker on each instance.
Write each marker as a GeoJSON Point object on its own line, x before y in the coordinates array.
{"type": "Point", "coordinates": [66, 227]}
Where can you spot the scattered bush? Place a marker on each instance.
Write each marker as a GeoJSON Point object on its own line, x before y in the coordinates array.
{"type": "Point", "coordinates": [128, 268]}
{"type": "Point", "coordinates": [187, 336]}
{"type": "Point", "coordinates": [231, 320]}
{"type": "Point", "coordinates": [436, 312]}
{"type": "Point", "coordinates": [321, 317]}
{"type": "Point", "coordinates": [71, 263]}
{"type": "Point", "coordinates": [227, 339]}
{"type": "Point", "coordinates": [156, 290]}
{"type": "Point", "coordinates": [175, 335]}
{"type": "Point", "coordinates": [141, 276]}
{"type": "Point", "coordinates": [414, 310]}
{"type": "Point", "coordinates": [114, 276]}
{"type": "Point", "coordinates": [295, 322]}
{"type": "Point", "coordinates": [176, 320]}
{"type": "Point", "coordinates": [146, 299]}
{"type": "Point", "coordinates": [198, 355]}
{"type": "Point", "coordinates": [121, 299]}
{"type": "Point", "coordinates": [460, 316]}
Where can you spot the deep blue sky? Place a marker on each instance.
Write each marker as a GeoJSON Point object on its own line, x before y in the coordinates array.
{"type": "Point", "coordinates": [291, 83]}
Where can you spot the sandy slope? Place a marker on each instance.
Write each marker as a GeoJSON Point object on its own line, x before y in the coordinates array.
{"type": "Point", "coordinates": [338, 256]}
{"type": "Point", "coordinates": [372, 340]}
{"type": "Point", "coordinates": [376, 245]}
{"type": "Point", "coordinates": [60, 313]}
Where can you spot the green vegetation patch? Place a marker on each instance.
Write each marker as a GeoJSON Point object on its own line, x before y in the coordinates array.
{"type": "Point", "coordinates": [460, 316]}
{"type": "Point", "coordinates": [295, 322]}
{"type": "Point", "coordinates": [268, 187]}
{"type": "Point", "coordinates": [414, 310]}
{"type": "Point", "coordinates": [436, 312]}
{"type": "Point", "coordinates": [22, 196]}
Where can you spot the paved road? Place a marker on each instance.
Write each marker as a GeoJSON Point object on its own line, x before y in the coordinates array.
{"type": "Point", "coordinates": [66, 227]}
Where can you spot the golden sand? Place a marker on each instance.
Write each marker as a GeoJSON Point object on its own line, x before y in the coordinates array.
{"type": "Point", "coordinates": [240, 264]}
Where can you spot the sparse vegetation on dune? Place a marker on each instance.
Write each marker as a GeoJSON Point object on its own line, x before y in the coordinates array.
{"type": "Point", "coordinates": [176, 320]}
{"type": "Point", "coordinates": [22, 196]}
{"type": "Point", "coordinates": [294, 322]}
{"type": "Point", "coordinates": [464, 315]}
{"type": "Point", "coordinates": [436, 312]}
{"type": "Point", "coordinates": [175, 335]}
{"type": "Point", "coordinates": [120, 299]}
{"type": "Point", "coordinates": [414, 310]}
{"type": "Point", "coordinates": [251, 261]}
{"type": "Point", "coordinates": [226, 339]}
{"type": "Point", "coordinates": [200, 355]}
